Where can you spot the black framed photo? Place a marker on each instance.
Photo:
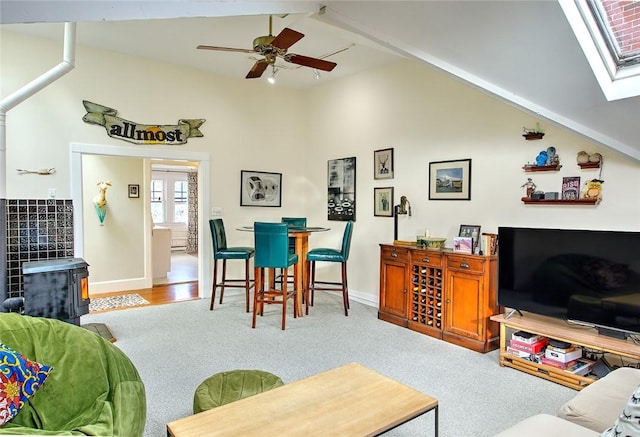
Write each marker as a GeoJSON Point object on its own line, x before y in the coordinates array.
{"type": "Point", "coordinates": [471, 231]}
{"type": "Point", "coordinates": [383, 164]}
{"type": "Point", "coordinates": [134, 191]}
{"type": "Point", "coordinates": [259, 188]}
{"type": "Point", "coordinates": [383, 202]}
{"type": "Point", "coordinates": [341, 189]}
{"type": "Point", "coordinates": [450, 180]}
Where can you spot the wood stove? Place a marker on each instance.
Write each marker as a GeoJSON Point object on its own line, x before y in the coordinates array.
{"type": "Point", "coordinates": [57, 289]}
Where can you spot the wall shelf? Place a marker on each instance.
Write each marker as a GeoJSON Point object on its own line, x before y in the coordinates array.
{"type": "Point", "coordinates": [530, 167]}
{"type": "Point", "coordinates": [589, 164]}
{"type": "Point", "coordinates": [533, 136]}
{"type": "Point", "coordinates": [529, 201]}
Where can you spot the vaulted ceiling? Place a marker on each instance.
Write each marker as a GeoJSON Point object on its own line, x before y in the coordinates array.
{"type": "Point", "coordinates": [524, 52]}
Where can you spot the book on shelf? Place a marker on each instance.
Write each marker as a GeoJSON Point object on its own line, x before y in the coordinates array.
{"type": "Point", "coordinates": [532, 348]}
{"type": "Point", "coordinates": [555, 363]}
{"type": "Point", "coordinates": [580, 367]}
{"type": "Point", "coordinates": [489, 243]}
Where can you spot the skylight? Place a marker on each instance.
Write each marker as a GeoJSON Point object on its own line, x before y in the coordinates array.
{"type": "Point", "coordinates": [609, 33]}
{"type": "Point", "coordinates": [619, 24]}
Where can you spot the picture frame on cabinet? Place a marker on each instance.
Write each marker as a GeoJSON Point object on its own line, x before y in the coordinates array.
{"type": "Point", "coordinates": [450, 180]}
{"type": "Point", "coordinates": [383, 164]}
{"type": "Point", "coordinates": [471, 231]}
{"type": "Point", "coordinates": [383, 201]}
{"type": "Point", "coordinates": [258, 188]}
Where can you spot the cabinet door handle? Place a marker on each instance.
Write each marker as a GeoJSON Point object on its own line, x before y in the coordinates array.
{"type": "Point", "coordinates": [448, 300]}
{"type": "Point", "coordinates": [426, 260]}
{"type": "Point", "coordinates": [464, 265]}
{"type": "Point", "coordinates": [404, 291]}
{"type": "Point", "coordinates": [394, 255]}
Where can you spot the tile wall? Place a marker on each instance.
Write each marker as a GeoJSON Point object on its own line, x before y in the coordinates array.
{"type": "Point", "coordinates": [36, 230]}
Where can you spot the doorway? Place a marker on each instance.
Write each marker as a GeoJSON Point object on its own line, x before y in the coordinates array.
{"type": "Point", "coordinates": [173, 197]}
{"type": "Point", "coordinates": [150, 153]}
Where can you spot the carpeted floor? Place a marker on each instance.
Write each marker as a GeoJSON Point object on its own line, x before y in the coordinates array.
{"type": "Point", "coordinates": [177, 346]}
{"type": "Point", "coordinates": [112, 302]}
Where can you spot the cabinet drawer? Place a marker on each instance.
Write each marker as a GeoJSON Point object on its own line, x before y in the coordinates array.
{"type": "Point", "coordinates": [395, 253]}
{"type": "Point", "coordinates": [427, 257]}
{"type": "Point", "coordinates": [464, 263]}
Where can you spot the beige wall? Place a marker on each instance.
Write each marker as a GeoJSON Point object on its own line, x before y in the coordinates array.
{"type": "Point", "coordinates": [117, 245]}
{"type": "Point", "coordinates": [421, 112]}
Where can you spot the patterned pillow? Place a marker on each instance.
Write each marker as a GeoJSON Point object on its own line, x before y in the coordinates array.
{"type": "Point", "coordinates": [20, 378]}
{"type": "Point", "coordinates": [628, 423]}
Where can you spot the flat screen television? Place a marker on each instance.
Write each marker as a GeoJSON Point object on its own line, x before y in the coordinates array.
{"type": "Point", "coordinates": [588, 277]}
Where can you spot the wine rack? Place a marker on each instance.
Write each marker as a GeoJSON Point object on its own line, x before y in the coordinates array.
{"type": "Point", "coordinates": [425, 308]}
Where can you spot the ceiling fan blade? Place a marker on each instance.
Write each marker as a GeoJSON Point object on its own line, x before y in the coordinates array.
{"type": "Point", "coordinates": [286, 38]}
{"type": "Point", "coordinates": [306, 61]}
{"type": "Point", "coordinates": [257, 69]}
{"type": "Point", "coordinates": [225, 49]}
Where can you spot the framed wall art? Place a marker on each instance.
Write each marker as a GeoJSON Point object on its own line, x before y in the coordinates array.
{"type": "Point", "coordinates": [258, 188]}
{"type": "Point", "coordinates": [383, 202]}
{"type": "Point", "coordinates": [341, 189]}
{"type": "Point", "coordinates": [134, 191]}
{"type": "Point", "coordinates": [450, 180]}
{"type": "Point", "coordinates": [383, 164]}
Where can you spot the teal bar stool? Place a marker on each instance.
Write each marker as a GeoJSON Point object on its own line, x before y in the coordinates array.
{"type": "Point", "coordinates": [272, 252]}
{"type": "Point", "coordinates": [331, 255]}
{"type": "Point", "coordinates": [298, 222]}
{"type": "Point", "coordinates": [222, 252]}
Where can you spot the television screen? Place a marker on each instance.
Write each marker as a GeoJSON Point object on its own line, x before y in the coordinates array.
{"type": "Point", "coordinates": [592, 277]}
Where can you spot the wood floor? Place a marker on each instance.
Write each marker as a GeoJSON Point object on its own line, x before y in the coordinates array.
{"type": "Point", "coordinates": [162, 294]}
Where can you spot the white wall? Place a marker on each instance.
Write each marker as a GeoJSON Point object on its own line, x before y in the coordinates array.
{"type": "Point", "coordinates": [422, 113]}
{"type": "Point", "coordinates": [427, 116]}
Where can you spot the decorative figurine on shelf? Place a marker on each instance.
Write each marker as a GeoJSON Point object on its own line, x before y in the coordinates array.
{"type": "Point", "coordinates": [552, 156]}
{"type": "Point", "coordinates": [532, 134]}
{"type": "Point", "coordinates": [593, 189]}
{"type": "Point", "coordinates": [541, 159]}
{"type": "Point", "coordinates": [595, 157]}
{"type": "Point", "coordinates": [530, 186]}
{"type": "Point", "coordinates": [583, 157]}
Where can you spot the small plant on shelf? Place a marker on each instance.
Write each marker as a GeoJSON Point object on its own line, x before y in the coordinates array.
{"type": "Point", "coordinates": [532, 134]}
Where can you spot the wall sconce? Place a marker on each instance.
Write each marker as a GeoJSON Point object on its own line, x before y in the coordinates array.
{"type": "Point", "coordinates": [400, 209]}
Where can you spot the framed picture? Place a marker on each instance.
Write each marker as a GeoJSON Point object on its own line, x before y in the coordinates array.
{"type": "Point", "coordinates": [463, 244]}
{"type": "Point", "coordinates": [450, 180]}
{"type": "Point", "coordinates": [571, 188]}
{"type": "Point", "coordinates": [383, 202]}
{"type": "Point", "coordinates": [258, 188]}
{"type": "Point", "coordinates": [471, 231]}
{"type": "Point", "coordinates": [341, 189]}
{"type": "Point", "coordinates": [383, 164]}
{"type": "Point", "coordinates": [134, 191]}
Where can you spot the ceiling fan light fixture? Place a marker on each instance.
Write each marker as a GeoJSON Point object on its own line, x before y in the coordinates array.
{"type": "Point", "coordinates": [272, 79]}
{"type": "Point", "coordinates": [316, 74]}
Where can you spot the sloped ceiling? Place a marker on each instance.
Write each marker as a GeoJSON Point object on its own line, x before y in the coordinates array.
{"type": "Point", "coordinates": [522, 51]}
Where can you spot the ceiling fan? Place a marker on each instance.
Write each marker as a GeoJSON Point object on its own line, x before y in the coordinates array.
{"type": "Point", "coordinates": [274, 47]}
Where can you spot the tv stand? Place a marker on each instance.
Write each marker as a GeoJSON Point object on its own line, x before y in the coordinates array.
{"type": "Point", "coordinates": [559, 330]}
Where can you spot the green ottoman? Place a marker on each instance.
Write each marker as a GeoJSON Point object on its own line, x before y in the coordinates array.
{"type": "Point", "coordinates": [225, 387]}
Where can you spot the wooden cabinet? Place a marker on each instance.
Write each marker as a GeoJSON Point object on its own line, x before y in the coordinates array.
{"type": "Point", "coordinates": [394, 269]}
{"type": "Point", "coordinates": [440, 293]}
{"type": "Point", "coordinates": [470, 300]}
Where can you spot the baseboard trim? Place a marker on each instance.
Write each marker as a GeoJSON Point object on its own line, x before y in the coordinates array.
{"type": "Point", "coordinates": [117, 286]}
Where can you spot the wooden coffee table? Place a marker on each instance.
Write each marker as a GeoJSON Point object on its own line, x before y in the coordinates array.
{"type": "Point", "coordinates": [350, 400]}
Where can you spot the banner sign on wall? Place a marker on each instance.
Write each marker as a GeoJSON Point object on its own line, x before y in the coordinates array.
{"type": "Point", "coordinates": [170, 134]}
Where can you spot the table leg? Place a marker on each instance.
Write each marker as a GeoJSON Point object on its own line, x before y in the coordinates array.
{"type": "Point", "coordinates": [302, 247]}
